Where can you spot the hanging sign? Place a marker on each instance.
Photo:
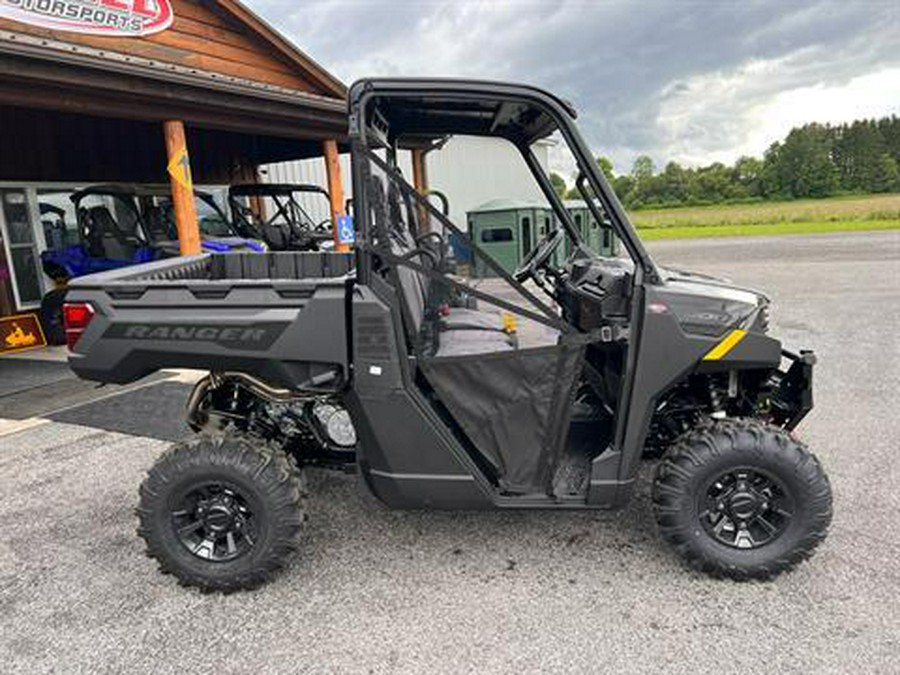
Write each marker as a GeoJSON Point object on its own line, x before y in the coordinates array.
{"type": "Point", "coordinates": [20, 332]}
{"type": "Point", "coordinates": [180, 168]}
{"type": "Point", "coordinates": [96, 17]}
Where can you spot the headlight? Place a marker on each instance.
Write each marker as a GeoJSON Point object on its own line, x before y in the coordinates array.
{"type": "Point", "coordinates": [337, 424]}
{"type": "Point", "coordinates": [340, 429]}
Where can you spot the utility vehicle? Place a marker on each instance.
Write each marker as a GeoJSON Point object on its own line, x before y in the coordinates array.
{"type": "Point", "coordinates": [276, 213]}
{"type": "Point", "coordinates": [539, 390]}
{"type": "Point", "coordinates": [118, 226]}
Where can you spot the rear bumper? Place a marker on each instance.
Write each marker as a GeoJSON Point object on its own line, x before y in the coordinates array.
{"type": "Point", "coordinates": [792, 396]}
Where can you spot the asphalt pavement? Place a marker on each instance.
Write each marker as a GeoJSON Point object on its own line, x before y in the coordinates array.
{"type": "Point", "coordinates": [423, 592]}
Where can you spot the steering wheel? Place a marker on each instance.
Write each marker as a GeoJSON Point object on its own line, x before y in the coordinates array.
{"type": "Point", "coordinates": [538, 256]}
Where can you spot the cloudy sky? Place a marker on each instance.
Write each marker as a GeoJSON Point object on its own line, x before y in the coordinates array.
{"type": "Point", "coordinates": [678, 79]}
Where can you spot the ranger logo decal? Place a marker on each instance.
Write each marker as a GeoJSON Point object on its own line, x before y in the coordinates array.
{"type": "Point", "coordinates": [255, 337]}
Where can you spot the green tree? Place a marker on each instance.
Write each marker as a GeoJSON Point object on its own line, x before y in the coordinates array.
{"type": "Point", "coordinates": [770, 178]}
{"type": "Point", "coordinates": [748, 173]}
{"type": "Point", "coordinates": [559, 184]}
{"type": "Point", "coordinates": [886, 177]}
{"type": "Point", "coordinates": [805, 166]}
{"type": "Point", "coordinates": [858, 151]}
{"type": "Point", "coordinates": [606, 166]}
{"type": "Point", "coordinates": [643, 169]}
{"type": "Point", "coordinates": [675, 183]}
{"type": "Point", "coordinates": [623, 186]}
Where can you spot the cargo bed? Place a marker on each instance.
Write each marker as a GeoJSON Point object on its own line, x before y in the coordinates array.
{"type": "Point", "coordinates": [260, 313]}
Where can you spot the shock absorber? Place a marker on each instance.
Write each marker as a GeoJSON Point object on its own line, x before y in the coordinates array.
{"type": "Point", "coordinates": [715, 400]}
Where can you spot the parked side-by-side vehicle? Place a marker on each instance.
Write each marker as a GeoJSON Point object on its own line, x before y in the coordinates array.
{"type": "Point", "coordinates": [540, 389]}
{"type": "Point", "coordinates": [280, 215]}
{"type": "Point", "coordinates": [118, 226]}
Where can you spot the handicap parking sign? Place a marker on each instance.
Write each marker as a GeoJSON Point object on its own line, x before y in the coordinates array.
{"type": "Point", "coordinates": [346, 233]}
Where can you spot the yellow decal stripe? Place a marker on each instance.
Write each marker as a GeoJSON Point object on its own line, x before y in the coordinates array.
{"type": "Point", "coordinates": [726, 345]}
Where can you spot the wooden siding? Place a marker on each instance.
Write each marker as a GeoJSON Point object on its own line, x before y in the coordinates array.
{"type": "Point", "coordinates": [202, 37]}
{"type": "Point", "coordinates": [44, 145]}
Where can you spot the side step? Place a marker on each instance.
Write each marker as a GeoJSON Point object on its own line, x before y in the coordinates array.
{"type": "Point", "coordinates": [572, 475]}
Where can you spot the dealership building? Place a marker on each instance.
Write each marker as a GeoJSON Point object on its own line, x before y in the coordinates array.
{"type": "Point", "coordinates": [136, 91]}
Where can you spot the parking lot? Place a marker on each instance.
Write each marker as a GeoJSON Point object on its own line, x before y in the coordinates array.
{"type": "Point", "coordinates": [380, 591]}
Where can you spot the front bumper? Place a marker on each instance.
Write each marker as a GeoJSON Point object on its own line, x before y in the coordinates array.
{"type": "Point", "coordinates": [792, 396]}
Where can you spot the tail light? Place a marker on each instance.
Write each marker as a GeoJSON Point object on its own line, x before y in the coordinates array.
{"type": "Point", "coordinates": [76, 317]}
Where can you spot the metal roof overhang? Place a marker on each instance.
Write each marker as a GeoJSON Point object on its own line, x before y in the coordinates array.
{"type": "Point", "coordinates": [42, 73]}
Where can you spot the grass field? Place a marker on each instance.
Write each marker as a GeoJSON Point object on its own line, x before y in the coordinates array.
{"type": "Point", "coordinates": [871, 212]}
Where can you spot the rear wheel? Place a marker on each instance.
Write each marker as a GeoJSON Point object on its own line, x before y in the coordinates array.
{"type": "Point", "coordinates": [222, 514]}
{"type": "Point", "coordinates": [741, 499]}
{"type": "Point", "coordinates": [52, 316]}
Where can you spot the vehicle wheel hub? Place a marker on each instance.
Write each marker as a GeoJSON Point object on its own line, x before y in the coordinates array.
{"type": "Point", "coordinates": [744, 505]}
{"type": "Point", "coordinates": [745, 508]}
{"type": "Point", "coordinates": [218, 518]}
{"type": "Point", "coordinates": [214, 522]}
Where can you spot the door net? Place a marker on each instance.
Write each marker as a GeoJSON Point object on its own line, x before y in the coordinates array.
{"type": "Point", "coordinates": [493, 351]}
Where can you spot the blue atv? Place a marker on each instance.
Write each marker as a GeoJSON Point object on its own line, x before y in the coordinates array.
{"type": "Point", "coordinates": [118, 226]}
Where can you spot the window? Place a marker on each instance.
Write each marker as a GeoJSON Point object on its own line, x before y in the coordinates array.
{"type": "Point", "coordinates": [110, 213]}
{"type": "Point", "coordinates": [212, 221]}
{"type": "Point", "coordinates": [58, 219]}
{"type": "Point", "coordinates": [23, 253]}
{"type": "Point", "coordinates": [526, 236]}
{"type": "Point", "coordinates": [497, 235]}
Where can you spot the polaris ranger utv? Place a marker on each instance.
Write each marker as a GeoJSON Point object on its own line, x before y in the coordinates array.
{"type": "Point", "coordinates": [542, 390]}
{"type": "Point", "coordinates": [290, 227]}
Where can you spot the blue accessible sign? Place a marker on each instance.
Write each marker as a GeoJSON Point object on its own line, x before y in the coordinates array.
{"type": "Point", "coordinates": [346, 232]}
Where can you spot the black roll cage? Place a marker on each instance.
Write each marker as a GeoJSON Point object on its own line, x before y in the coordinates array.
{"type": "Point", "coordinates": [364, 91]}
{"type": "Point", "coordinates": [559, 112]}
{"type": "Point", "coordinates": [382, 248]}
{"type": "Point", "coordinates": [130, 195]}
{"type": "Point", "coordinates": [274, 191]}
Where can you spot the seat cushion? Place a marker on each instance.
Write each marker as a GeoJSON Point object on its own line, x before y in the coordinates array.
{"type": "Point", "coordinates": [473, 340]}
{"type": "Point", "coordinates": [463, 317]}
{"type": "Point", "coordinates": [469, 347]}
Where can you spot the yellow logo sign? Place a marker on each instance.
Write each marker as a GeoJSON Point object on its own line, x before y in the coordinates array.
{"type": "Point", "coordinates": [180, 169]}
{"type": "Point", "coordinates": [19, 338]}
{"type": "Point", "coordinates": [20, 332]}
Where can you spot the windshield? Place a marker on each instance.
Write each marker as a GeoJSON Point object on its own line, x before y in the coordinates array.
{"type": "Point", "coordinates": [160, 218]}
{"type": "Point", "coordinates": [301, 208]}
{"type": "Point", "coordinates": [593, 229]}
{"type": "Point", "coordinates": [108, 213]}
{"type": "Point", "coordinates": [213, 222]}
{"type": "Point", "coordinates": [398, 115]}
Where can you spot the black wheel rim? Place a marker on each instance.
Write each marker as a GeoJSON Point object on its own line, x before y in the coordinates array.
{"type": "Point", "coordinates": [745, 508]}
{"type": "Point", "coordinates": [214, 522]}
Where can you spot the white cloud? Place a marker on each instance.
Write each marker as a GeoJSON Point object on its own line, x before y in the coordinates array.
{"type": "Point", "coordinates": [867, 96]}
{"type": "Point", "coordinates": [692, 80]}
{"type": "Point", "coordinates": [719, 117]}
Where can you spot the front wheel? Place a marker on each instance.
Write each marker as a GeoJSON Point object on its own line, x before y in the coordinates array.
{"type": "Point", "coordinates": [741, 499]}
{"type": "Point", "coordinates": [221, 513]}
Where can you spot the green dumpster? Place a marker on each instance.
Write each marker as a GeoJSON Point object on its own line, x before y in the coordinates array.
{"type": "Point", "coordinates": [506, 230]}
{"type": "Point", "coordinates": [599, 238]}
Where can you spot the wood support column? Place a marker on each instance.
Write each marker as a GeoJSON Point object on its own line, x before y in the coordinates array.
{"type": "Point", "coordinates": [420, 172]}
{"type": "Point", "coordinates": [182, 183]}
{"type": "Point", "coordinates": [335, 189]}
{"type": "Point", "coordinates": [420, 183]}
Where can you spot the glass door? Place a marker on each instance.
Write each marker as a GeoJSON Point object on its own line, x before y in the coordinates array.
{"type": "Point", "coordinates": [21, 247]}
